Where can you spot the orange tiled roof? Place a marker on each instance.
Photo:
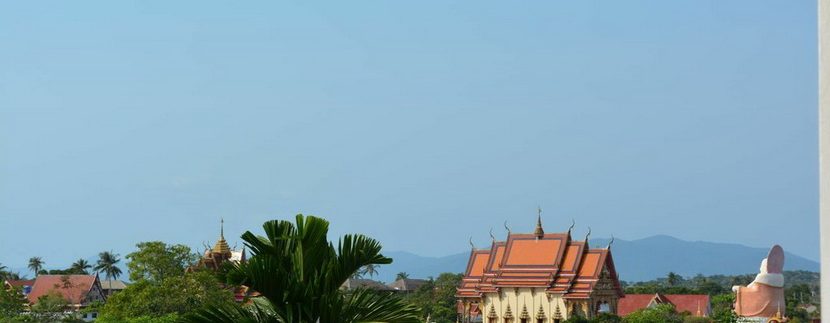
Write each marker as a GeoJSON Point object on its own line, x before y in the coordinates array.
{"type": "Point", "coordinates": [551, 260]}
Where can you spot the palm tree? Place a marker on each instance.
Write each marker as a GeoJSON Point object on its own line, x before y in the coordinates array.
{"type": "Point", "coordinates": [107, 261]}
{"type": "Point", "coordinates": [299, 272]}
{"type": "Point", "coordinates": [402, 275]}
{"type": "Point", "coordinates": [36, 264]}
{"type": "Point", "coordinates": [369, 270]}
{"type": "Point", "coordinates": [80, 266]}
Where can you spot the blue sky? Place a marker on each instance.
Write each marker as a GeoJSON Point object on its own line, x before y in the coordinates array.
{"type": "Point", "coordinates": [418, 123]}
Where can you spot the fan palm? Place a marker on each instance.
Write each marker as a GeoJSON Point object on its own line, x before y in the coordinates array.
{"type": "Point", "coordinates": [80, 266]}
{"type": "Point", "coordinates": [36, 264]}
{"type": "Point", "coordinates": [107, 264]}
{"type": "Point", "coordinates": [298, 274]}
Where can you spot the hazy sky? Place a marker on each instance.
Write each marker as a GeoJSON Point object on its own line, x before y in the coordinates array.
{"type": "Point", "coordinates": [419, 123]}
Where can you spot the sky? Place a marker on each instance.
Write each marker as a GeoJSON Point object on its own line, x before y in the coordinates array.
{"type": "Point", "coordinates": [420, 123]}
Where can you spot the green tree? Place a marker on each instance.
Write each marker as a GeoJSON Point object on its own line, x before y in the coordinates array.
{"type": "Point", "coordinates": [436, 298]}
{"type": "Point", "coordinates": [36, 265]}
{"type": "Point", "coordinates": [401, 275]}
{"type": "Point", "coordinates": [369, 270]}
{"type": "Point", "coordinates": [606, 318]}
{"type": "Point", "coordinates": [663, 313]}
{"type": "Point", "coordinates": [299, 272]}
{"type": "Point", "coordinates": [108, 264]}
{"type": "Point", "coordinates": [155, 261]}
{"type": "Point", "coordinates": [49, 308]}
{"type": "Point", "coordinates": [175, 295]}
{"type": "Point", "coordinates": [81, 266]}
{"type": "Point", "coordinates": [12, 302]}
{"type": "Point", "coordinates": [722, 308]}
{"type": "Point", "coordinates": [673, 279]}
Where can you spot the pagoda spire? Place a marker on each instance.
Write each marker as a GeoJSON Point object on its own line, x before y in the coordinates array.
{"type": "Point", "coordinates": [539, 232]}
{"type": "Point", "coordinates": [221, 245]}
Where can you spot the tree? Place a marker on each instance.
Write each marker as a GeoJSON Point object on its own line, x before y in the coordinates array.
{"type": "Point", "coordinates": [49, 307]}
{"type": "Point", "coordinates": [401, 275]}
{"type": "Point", "coordinates": [369, 270]}
{"type": "Point", "coordinates": [80, 266]}
{"type": "Point", "coordinates": [672, 279]}
{"type": "Point", "coordinates": [722, 308]}
{"type": "Point", "coordinates": [663, 313]}
{"type": "Point", "coordinates": [606, 318]}
{"type": "Point", "coordinates": [155, 261]}
{"type": "Point", "coordinates": [299, 272]}
{"type": "Point", "coordinates": [36, 264]}
{"type": "Point", "coordinates": [12, 302]}
{"type": "Point", "coordinates": [107, 264]}
{"type": "Point", "coordinates": [175, 295]}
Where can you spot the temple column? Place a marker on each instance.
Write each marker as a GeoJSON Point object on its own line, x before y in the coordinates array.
{"type": "Point", "coordinates": [824, 151]}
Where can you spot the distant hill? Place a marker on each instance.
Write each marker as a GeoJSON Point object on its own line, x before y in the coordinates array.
{"type": "Point", "coordinates": [636, 260]}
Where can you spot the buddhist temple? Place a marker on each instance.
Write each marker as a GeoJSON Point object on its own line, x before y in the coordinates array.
{"type": "Point", "coordinates": [538, 277]}
{"type": "Point", "coordinates": [213, 258]}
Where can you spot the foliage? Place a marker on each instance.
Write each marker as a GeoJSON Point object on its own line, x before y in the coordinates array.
{"type": "Point", "coordinates": [663, 313]}
{"type": "Point", "coordinates": [108, 264]}
{"type": "Point", "coordinates": [81, 266]}
{"type": "Point", "coordinates": [606, 318]}
{"type": "Point", "coordinates": [401, 275]}
{"type": "Point", "coordinates": [155, 261]}
{"type": "Point", "coordinates": [11, 302]}
{"type": "Point", "coordinates": [576, 319]}
{"type": "Point", "coordinates": [299, 273]}
{"type": "Point", "coordinates": [722, 308]}
{"type": "Point", "coordinates": [174, 295]}
{"type": "Point", "coordinates": [36, 264]}
{"type": "Point", "coordinates": [49, 308]}
{"type": "Point", "coordinates": [436, 298]}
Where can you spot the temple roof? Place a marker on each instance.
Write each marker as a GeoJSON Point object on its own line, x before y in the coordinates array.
{"type": "Point", "coordinates": [548, 260]}
{"type": "Point", "coordinates": [697, 305]}
{"type": "Point", "coordinates": [221, 245]}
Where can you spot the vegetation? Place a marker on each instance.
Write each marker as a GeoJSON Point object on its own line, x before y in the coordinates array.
{"type": "Point", "coordinates": [155, 261]}
{"type": "Point", "coordinates": [299, 273]}
{"type": "Point", "coordinates": [161, 290]}
{"type": "Point", "coordinates": [108, 265]}
{"type": "Point", "coordinates": [81, 266]}
{"type": "Point", "coordinates": [436, 298]}
{"type": "Point", "coordinates": [36, 265]}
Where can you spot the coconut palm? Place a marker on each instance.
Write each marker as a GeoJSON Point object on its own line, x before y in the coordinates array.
{"type": "Point", "coordinates": [402, 275]}
{"type": "Point", "coordinates": [80, 266]}
{"type": "Point", "coordinates": [107, 264]}
{"type": "Point", "coordinates": [369, 270]}
{"type": "Point", "coordinates": [36, 264]}
{"type": "Point", "coordinates": [298, 274]}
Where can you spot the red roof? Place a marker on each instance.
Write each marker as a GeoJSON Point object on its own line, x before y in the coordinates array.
{"type": "Point", "coordinates": [74, 288]}
{"type": "Point", "coordinates": [20, 283]}
{"type": "Point", "coordinates": [698, 305]}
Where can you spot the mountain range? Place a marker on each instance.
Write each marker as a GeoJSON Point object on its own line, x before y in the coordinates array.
{"type": "Point", "coordinates": [635, 260]}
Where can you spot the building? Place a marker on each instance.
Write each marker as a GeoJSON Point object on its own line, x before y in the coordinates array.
{"type": "Point", "coordinates": [538, 277]}
{"type": "Point", "coordinates": [361, 283]}
{"type": "Point", "coordinates": [78, 290]}
{"type": "Point", "coordinates": [696, 305]}
{"type": "Point", "coordinates": [25, 286]}
{"type": "Point", "coordinates": [213, 258]}
{"type": "Point", "coordinates": [407, 285]}
{"type": "Point", "coordinates": [112, 286]}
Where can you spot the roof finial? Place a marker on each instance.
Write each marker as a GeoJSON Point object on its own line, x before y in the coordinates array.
{"type": "Point", "coordinates": [491, 235]}
{"type": "Point", "coordinates": [610, 242]}
{"type": "Point", "coordinates": [471, 244]}
{"type": "Point", "coordinates": [222, 228]}
{"type": "Point", "coordinates": [539, 232]}
{"type": "Point", "coordinates": [507, 228]}
{"type": "Point", "coordinates": [573, 223]}
{"type": "Point", "coordinates": [588, 234]}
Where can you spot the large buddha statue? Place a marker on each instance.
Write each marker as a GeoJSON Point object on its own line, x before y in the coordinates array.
{"type": "Point", "coordinates": [764, 297]}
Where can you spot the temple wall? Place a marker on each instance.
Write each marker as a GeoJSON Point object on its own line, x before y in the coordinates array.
{"type": "Point", "coordinates": [520, 297]}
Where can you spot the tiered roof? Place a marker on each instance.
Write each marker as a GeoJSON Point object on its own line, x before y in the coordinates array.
{"type": "Point", "coordinates": [697, 305]}
{"type": "Point", "coordinates": [543, 260]}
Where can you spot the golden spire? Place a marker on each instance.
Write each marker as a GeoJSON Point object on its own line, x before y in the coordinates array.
{"type": "Point", "coordinates": [539, 232]}
{"type": "Point", "coordinates": [221, 245]}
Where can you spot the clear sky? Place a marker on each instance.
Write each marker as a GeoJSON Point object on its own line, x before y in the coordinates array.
{"type": "Point", "coordinates": [419, 123]}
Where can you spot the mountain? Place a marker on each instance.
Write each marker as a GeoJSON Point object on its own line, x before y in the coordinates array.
{"type": "Point", "coordinates": [636, 260]}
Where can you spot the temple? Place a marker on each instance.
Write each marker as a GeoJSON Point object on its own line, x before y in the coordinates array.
{"type": "Point", "coordinates": [213, 258]}
{"type": "Point", "coordinates": [538, 277]}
